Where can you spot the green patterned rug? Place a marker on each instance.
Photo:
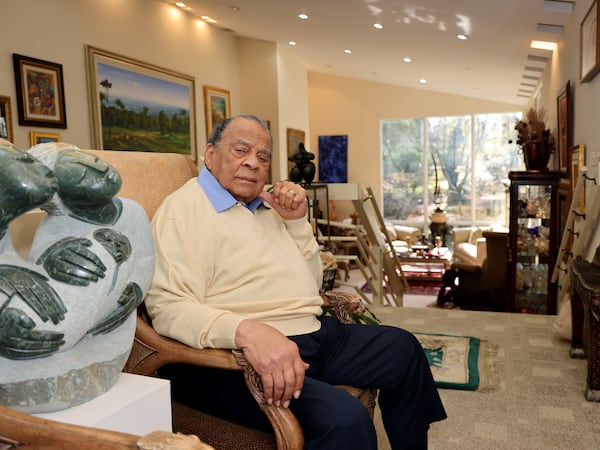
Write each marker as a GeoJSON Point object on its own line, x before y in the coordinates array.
{"type": "Point", "coordinates": [461, 362]}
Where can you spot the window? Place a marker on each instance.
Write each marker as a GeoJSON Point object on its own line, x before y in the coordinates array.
{"type": "Point", "coordinates": [466, 157]}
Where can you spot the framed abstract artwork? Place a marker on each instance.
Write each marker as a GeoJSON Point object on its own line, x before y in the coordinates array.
{"type": "Point", "coordinates": [40, 92]}
{"type": "Point", "coordinates": [217, 104]}
{"type": "Point", "coordinates": [6, 131]}
{"type": "Point", "coordinates": [35, 137]}
{"type": "Point", "coordinates": [564, 114]}
{"type": "Point", "coordinates": [333, 159]}
{"type": "Point", "coordinates": [139, 106]}
{"type": "Point", "coordinates": [589, 50]}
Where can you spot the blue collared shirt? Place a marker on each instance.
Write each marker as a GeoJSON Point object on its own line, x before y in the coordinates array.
{"type": "Point", "coordinates": [220, 198]}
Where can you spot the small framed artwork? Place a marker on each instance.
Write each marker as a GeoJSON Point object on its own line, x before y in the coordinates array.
{"type": "Point", "coordinates": [6, 131]}
{"type": "Point", "coordinates": [294, 138]}
{"type": "Point", "coordinates": [577, 160]}
{"type": "Point", "coordinates": [135, 105]}
{"type": "Point", "coordinates": [564, 108]}
{"type": "Point", "coordinates": [217, 106]}
{"type": "Point", "coordinates": [35, 137]}
{"type": "Point", "coordinates": [589, 40]}
{"type": "Point", "coordinates": [40, 92]}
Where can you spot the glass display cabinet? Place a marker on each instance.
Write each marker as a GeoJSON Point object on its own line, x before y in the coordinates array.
{"type": "Point", "coordinates": [533, 241]}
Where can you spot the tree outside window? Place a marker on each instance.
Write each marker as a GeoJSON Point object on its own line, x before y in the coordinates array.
{"type": "Point", "coordinates": [472, 156]}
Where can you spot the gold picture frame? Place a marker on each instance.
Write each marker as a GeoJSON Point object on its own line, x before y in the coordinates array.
{"type": "Point", "coordinates": [294, 138]}
{"type": "Point", "coordinates": [37, 137]}
{"type": "Point", "coordinates": [217, 106]}
{"type": "Point", "coordinates": [161, 100]}
{"type": "Point", "coordinates": [589, 48]}
{"type": "Point", "coordinates": [6, 130]}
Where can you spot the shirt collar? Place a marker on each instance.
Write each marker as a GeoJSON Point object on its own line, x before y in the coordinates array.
{"type": "Point", "coordinates": [220, 198]}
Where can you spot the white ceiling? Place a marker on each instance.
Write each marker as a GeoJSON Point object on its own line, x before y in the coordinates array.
{"type": "Point", "coordinates": [493, 64]}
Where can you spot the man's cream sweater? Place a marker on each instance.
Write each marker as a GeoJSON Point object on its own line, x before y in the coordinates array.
{"type": "Point", "coordinates": [214, 270]}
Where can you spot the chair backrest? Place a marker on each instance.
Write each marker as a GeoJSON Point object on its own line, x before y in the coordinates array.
{"type": "Point", "coordinates": [148, 178]}
{"type": "Point", "coordinates": [496, 263]}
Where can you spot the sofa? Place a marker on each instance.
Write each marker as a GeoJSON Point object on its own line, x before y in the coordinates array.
{"type": "Point", "coordinates": [403, 237]}
{"type": "Point", "coordinates": [469, 243]}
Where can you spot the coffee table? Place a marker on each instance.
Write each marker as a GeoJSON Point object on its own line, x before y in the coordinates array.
{"type": "Point", "coordinates": [425, 266]}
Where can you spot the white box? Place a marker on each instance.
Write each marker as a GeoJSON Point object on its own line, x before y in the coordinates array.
{"type": "Point", "coordinates": [135, 404]}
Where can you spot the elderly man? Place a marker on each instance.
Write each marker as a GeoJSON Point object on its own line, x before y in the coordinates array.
{"type": "Point", "coordinates": [238, 267]}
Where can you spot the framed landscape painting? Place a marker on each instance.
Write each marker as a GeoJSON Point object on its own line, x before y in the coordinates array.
{"type": "Point", "coordinates": [40, 92]}
{"type": "Point", "coordinates": [139, 106]}
{"type": "Point", "coordinates": [217, 104]}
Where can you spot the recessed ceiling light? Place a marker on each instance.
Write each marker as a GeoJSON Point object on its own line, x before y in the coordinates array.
{"type": "Point", "coordinates": [208, 19]}
{"type": "Point", "coordinates": [303, 16]}
{"type": "Point", "coordinates": [543, 45]}
{"type": "Point", "coordinates": [379, 26]}
{"type": "Point", "coordinates": [407, 59]}
{"type": "Point", "coordinates": [347, 51]}
{"type": "Point", "coordinates": [180, 4]}
{"type": "Point", "coordinates": [423, 81]}
{"type": "Point", "coordinates": [292, 42]}
{"type": "Point", "coordinates": [462, 37]}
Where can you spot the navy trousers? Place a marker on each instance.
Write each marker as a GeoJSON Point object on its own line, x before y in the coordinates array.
{"type": "Point", "coordinates": [387, 358]}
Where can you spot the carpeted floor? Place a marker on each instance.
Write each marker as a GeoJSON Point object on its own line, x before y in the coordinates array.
{"type": "Point", "coordinates": [540, 402]}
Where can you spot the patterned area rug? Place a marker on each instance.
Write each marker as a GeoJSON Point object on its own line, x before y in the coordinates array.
{"type": "Point", "coordinates": [461, 362]}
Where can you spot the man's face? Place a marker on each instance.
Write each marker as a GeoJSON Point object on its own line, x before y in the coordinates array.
{"type": "Point", "coordinates": [241, 162]}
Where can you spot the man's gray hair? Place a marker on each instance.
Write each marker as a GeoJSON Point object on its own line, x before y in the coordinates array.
{"type": "Point", "coordinates": [217, 132]}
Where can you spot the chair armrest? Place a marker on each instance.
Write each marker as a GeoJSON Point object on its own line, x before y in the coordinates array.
{"type": "Point", "coordinates": [20, 429]}
{"type": "Point", "coordinates": [344, 304]}
{"type": "Point", "coordinates": [151, 351]}
{"type": "Point", "coordinates": [466, 268]}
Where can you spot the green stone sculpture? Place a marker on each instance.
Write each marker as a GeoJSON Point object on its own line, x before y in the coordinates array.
{"type": "Point", "coordinates": [71, 305]}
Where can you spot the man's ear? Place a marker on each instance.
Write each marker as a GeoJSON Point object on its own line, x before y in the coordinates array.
{"type": "Point", "coordinates": [208, 155]}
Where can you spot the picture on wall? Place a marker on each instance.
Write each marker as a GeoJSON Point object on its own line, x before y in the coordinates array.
{"type": "Point", "coordinates": [40, 92]}
{"type": "Point", "coordinates": [217, 105]}
{"type": "Point", "coordinates": [36, 137]}
{"type": "Point", "coordinates": [564, 108]}
{"type": "Point", "coordinates": [294, 138]}
{"type": "Point", "coordinates": [333, 159]}
{"type": "Point", "coordinates": [6, 131]}
{"type": "Point", "coordinates": [589, 52]}
{"type": "Point", "coordinates": [139, 106]}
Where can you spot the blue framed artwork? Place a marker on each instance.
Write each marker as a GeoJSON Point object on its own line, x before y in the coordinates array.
{"type": "Point", "coordinates": [333, 159]}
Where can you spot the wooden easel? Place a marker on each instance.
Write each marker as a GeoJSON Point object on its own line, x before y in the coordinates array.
{"type": "Point", "coordinates": [388, 280]}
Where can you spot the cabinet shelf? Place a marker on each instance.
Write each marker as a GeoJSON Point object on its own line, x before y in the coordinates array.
{"type": "Point", "coordinates": [533, 241]}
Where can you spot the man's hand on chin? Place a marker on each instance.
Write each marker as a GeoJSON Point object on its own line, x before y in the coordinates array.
{"type": "Point", "coordinates": [275, 358]}
{"type": "Point", "coordinates": [288, 199]}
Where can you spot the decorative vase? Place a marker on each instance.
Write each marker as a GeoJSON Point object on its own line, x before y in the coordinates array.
{"type": "Point", "coordinates": [536, 155]}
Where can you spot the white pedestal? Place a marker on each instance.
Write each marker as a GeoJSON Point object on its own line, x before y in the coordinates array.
{"type": "Point", "coordinates": [135, 405]}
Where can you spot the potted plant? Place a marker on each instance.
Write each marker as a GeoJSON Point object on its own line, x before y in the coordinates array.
{"type": "Point", "coordinates": [536, 141]}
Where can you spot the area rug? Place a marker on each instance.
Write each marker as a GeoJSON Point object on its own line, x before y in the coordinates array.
{"type": "Point", "coordinates": [424, 287]}
{"type": "Point", "coordinates": [461, 362]}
